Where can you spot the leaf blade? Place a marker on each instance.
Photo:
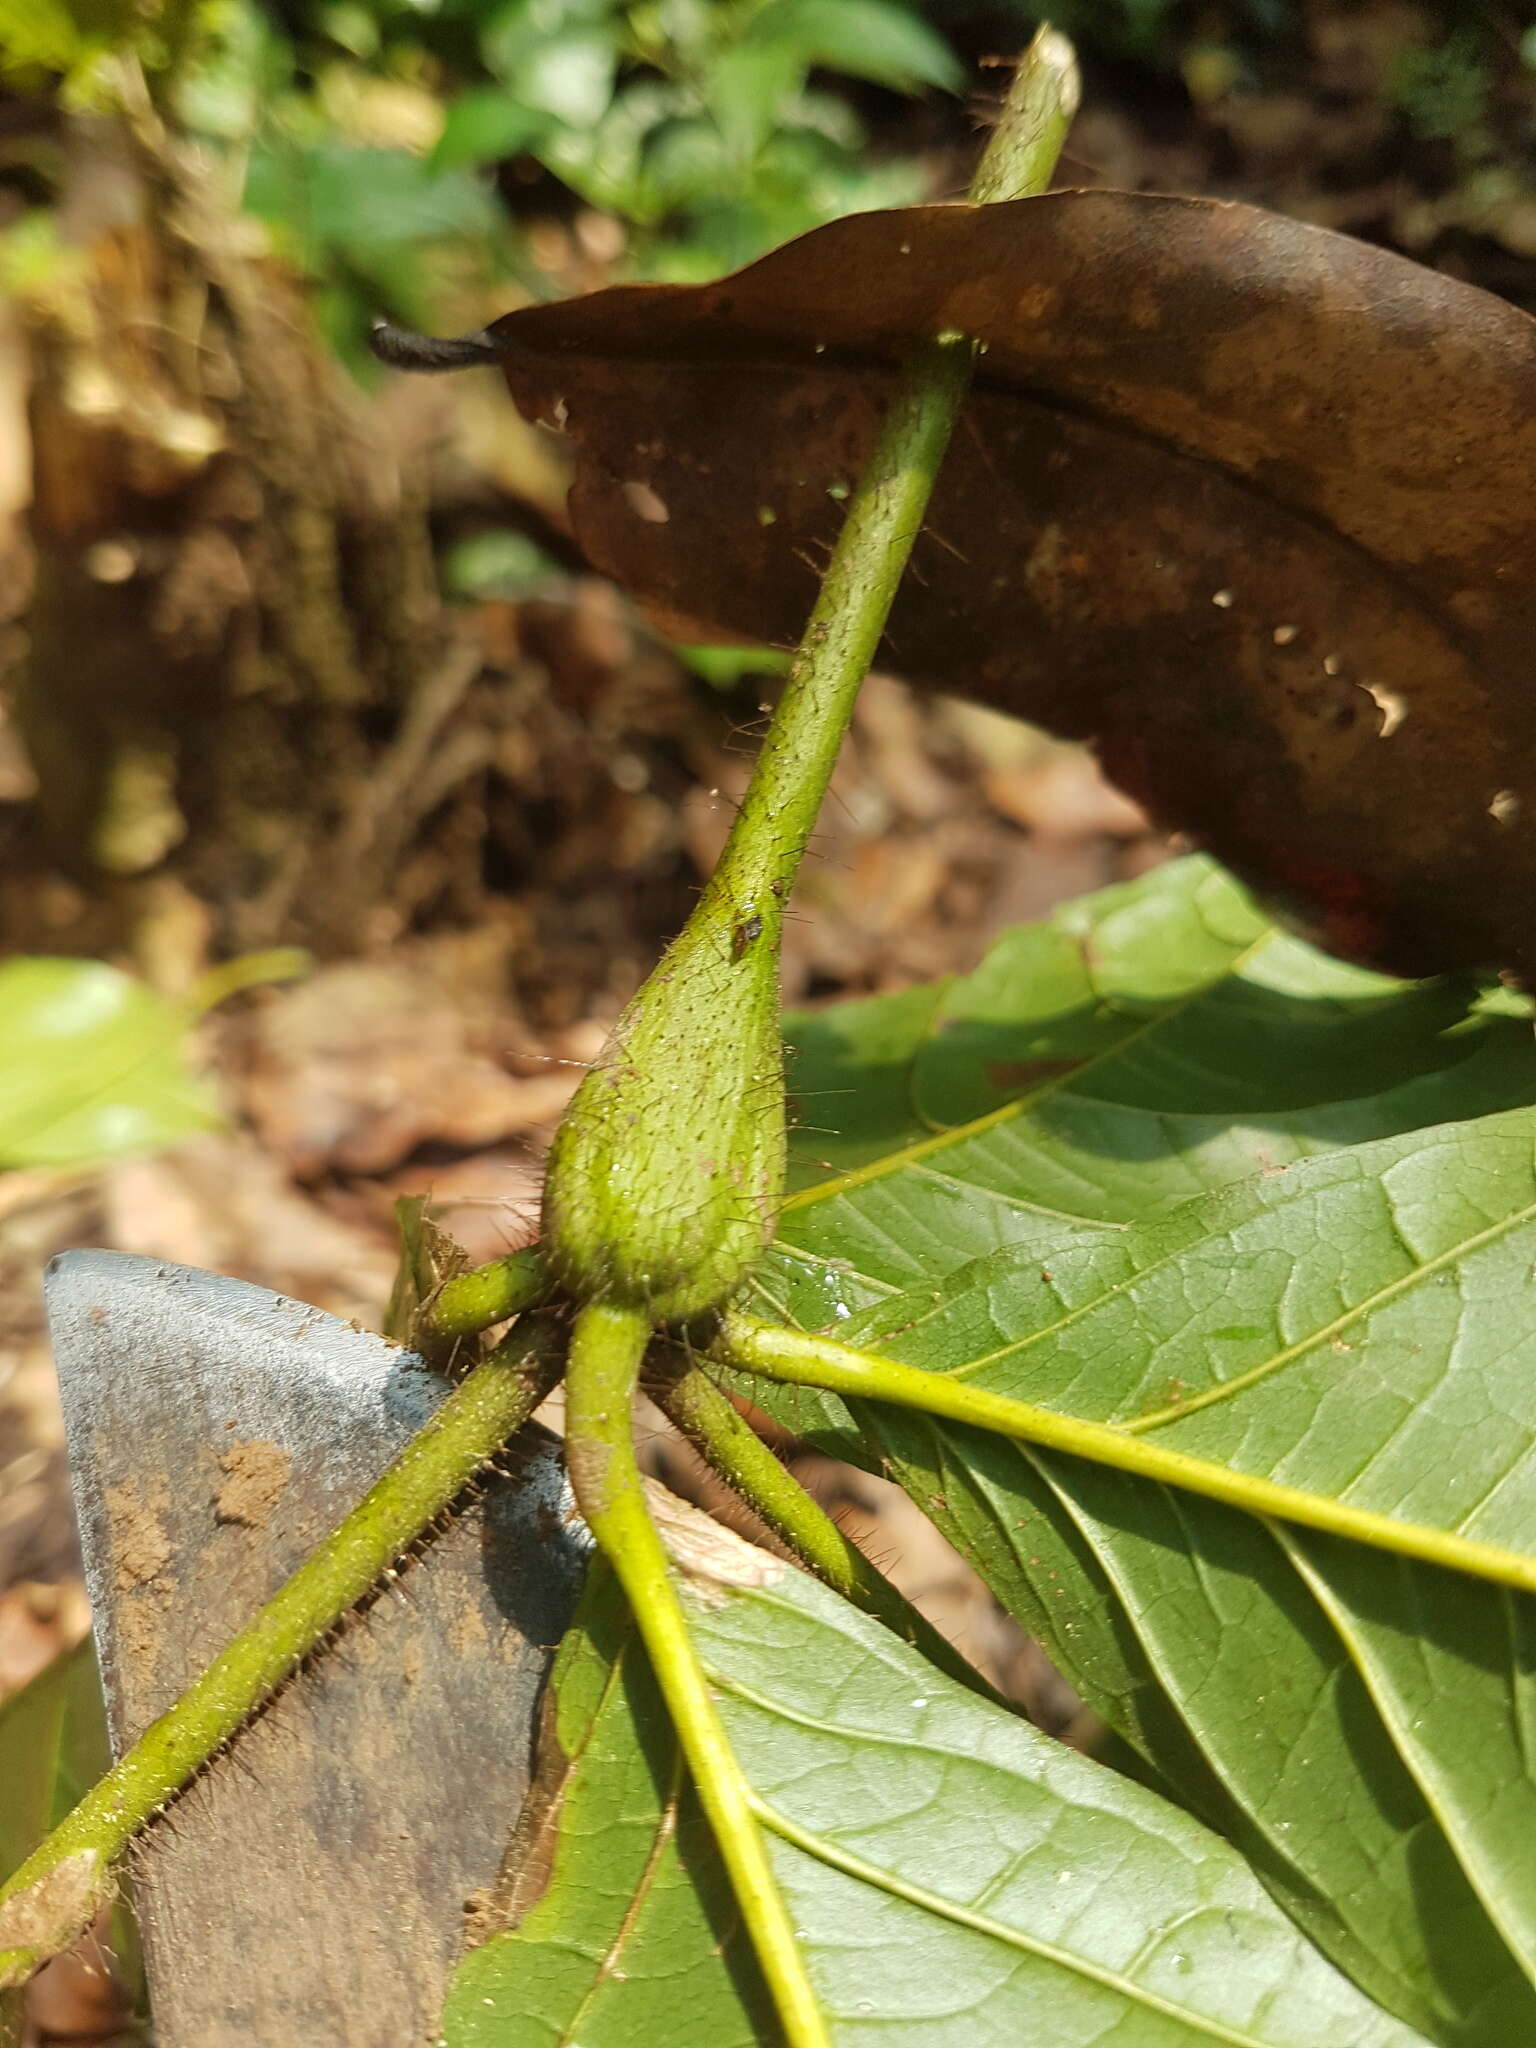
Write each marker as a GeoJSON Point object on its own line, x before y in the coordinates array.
{"type": "Point", "coordinates": [1182, 389]}
{"type": "Point", "coordinates": [1178, 1336]}
{"type": "Point", "coordinates": [95, 1065]}
{"type": "Point", "coordinates": [910, 1918]}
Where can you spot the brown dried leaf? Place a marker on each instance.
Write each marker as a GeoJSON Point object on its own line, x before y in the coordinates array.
{"type": "Point", "coordinates": [1247, 504]}
{"type": "Point", "coordinates": [362, 1064]}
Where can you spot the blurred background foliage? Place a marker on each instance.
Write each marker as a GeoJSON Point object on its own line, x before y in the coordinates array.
{"type": "Point", "coordinates": [391, 149]}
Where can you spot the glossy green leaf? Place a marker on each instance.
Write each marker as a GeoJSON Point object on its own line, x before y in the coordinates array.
{"type": "Point", "coordinates": [955, 1876]}
{"type": "Point", "coordinates": [92, 1064]}
{"type": "Point", "coordinates": [1340, 1310]}
{"type": "Point", "coordinates": [1181, 1624]}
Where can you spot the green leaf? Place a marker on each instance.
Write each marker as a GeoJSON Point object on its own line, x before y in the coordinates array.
{"type": "Point", "coordinates": [861, 38]}
{"type": "Point", "coordinates": [92, 1064]}
{"type": "Point", "coordinates": [484, 125]}
{"type": "Point", "coordinates": [514, 34]}
{"type": "Point", "coordinates": [604, 163]}
{"type": "Point", "coordinates": [1141, 1045]}
{"type": "Point", "coordinates": [958, 1877]}
{"type": "Point", "coordinates": [1180, 1623]}
{"type": "Point", "coordinates": [1340, 1310]}
{"type": "Point", "coordinates": [335, 196]}
{"type": "Point", "coordinates": [684, 160]}
{"type": "Point", "coordinates": [749, 86]}
{"type": "Point", "coordinates": [723, 668]}
{"type": "Point", "coordinates": [53, 1748]}
{"type": "Point", "coordinates": [569, 79]}
{"type": "Point", "coordinates": [497, 563]}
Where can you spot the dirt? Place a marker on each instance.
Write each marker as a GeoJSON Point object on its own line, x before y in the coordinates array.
{"type": "Point", "coordinates": [142, 1552]}
{"type": "Point", "coordinates": [139, 1540]}
{"type": "Point", "coordinates": [255, 1475]}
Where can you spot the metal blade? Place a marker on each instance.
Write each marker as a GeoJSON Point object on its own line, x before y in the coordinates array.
{"type": "Point", "coordinates": [310, 1887]}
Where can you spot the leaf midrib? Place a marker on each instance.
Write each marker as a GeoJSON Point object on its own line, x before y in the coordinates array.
{"type": "Point", "coordinates": [603, 1972]}
{"type": "Point", "coordinates": [894, 1886]}
{"type": "Point", "coordinates": [1351, 1636]}
{"type": "Point", "coordinates": [953, 1910]}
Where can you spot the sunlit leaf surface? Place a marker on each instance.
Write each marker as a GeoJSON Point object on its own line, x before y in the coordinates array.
{"type": "Point", "coordinates": [954, 1875]}
{"type": "Point", "coordinates": [1158, 1165]}
{"type": "Point", "coordinates": [92, 1064]}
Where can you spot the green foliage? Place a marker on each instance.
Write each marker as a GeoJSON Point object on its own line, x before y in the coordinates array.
{"type": "Point", "coordinates": [374, 228]}
{"type": "Point", "coordinates": [1158, 1164]}
{"type": "Point", "coordinates": [954, 1876]}
{"type": "Point", "coordinates": [92, 1065]}
{"type": "Point", "coordinates": [1443, 90]}
{"type": "Point", "coordinates": [362, 133]}
{"type": "Point", "coordinates": [79, 41]}
{"type": "Point", "coordinates": [53, 1748]}
{"type": "Point", "coordinates": [696, 124]}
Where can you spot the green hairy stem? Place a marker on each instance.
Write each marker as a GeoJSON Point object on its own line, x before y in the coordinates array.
{"type": "Point", "coordinates": [738, 1455]}
{"type": "Point", "coordinates": [51, 1900]}
{"type": "Point", "coordinates": [473, 1301]}
{"type": "Point", "coordinates": [667, 1174]}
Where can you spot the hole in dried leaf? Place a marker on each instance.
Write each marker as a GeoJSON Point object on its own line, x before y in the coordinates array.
{"type": "Point", "coordinates": [1391, 706]}
{"type": "Point", "coordinates": [646, 504]}
{"type": "Point", "coordinates": [111, 561]}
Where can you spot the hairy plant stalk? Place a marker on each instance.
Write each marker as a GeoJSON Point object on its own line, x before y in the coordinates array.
{"type": "Point", "coordinates": [664, 1189]}
{"type": "Point", "coordinates": [602, 1372]}
{"type": "Point", "coordinates": [471, 1302]}
{"type": "Point", "coordinates": [737, 1454]}
{"type": "Point", "coordinates": [667, 1173]}
{"type": "Point", "coordinates": [51, 1900]}
{"type": "Point", "coordinates": [794, 1357]}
